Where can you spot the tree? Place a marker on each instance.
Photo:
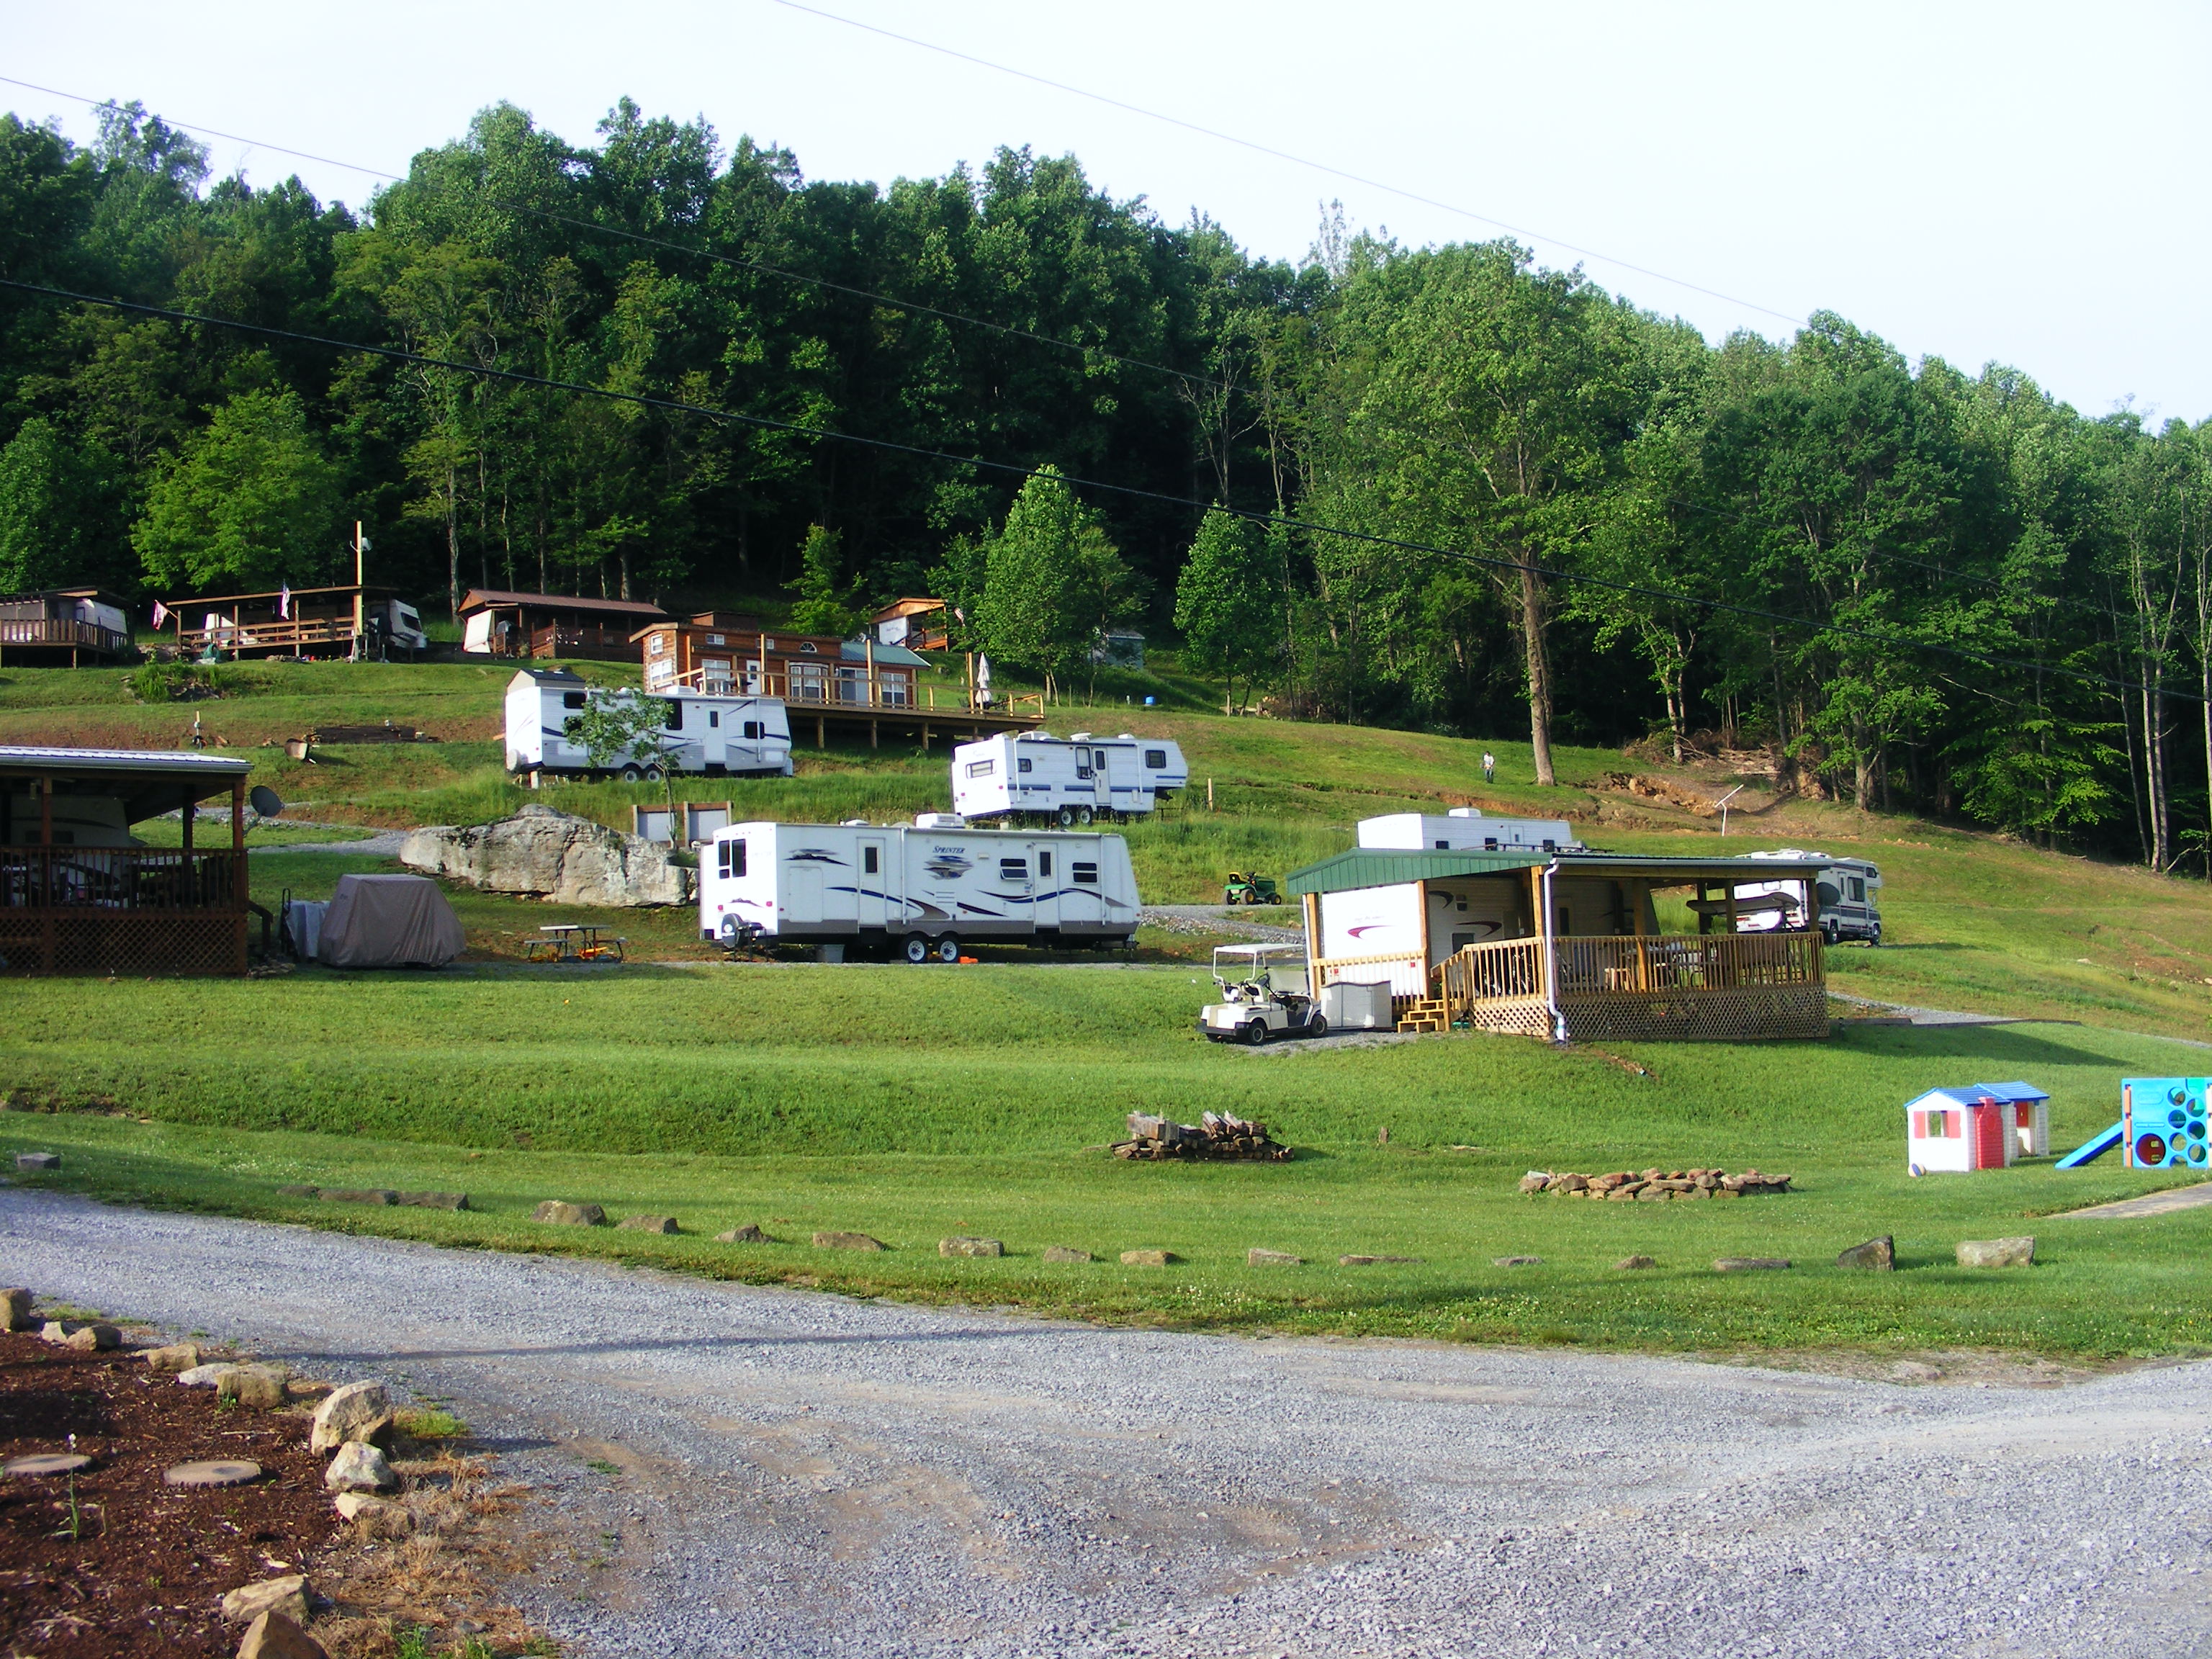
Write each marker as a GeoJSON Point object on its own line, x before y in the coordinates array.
{"type": "Point", "coordinates": [1224, 601]}
{"type": "Point", "coordinates": [248, 502]}
{"type": "Point", "coordinates": [1051, 582]}
{"type": "Point", "coordinates": [58, 522]}
{"type": "Point", "coordinates": [620, 727]}
{"type": "Point", "coordinates": [826, 604]}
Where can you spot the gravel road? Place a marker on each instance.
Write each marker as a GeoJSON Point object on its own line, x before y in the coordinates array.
{"type": "Point", "coordinates": [771, 1472]}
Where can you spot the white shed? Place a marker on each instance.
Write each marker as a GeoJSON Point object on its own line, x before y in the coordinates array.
{"type": "Point", "coordinates": [1979, 1126]}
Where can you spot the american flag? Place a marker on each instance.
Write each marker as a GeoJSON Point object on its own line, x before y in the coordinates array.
{"type": "Point", "coordinates": [161, 614]}
{"type": "Point", "coordinates": [285, 601]}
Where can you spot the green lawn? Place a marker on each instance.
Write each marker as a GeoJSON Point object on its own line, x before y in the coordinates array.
{"type": "Point", "coordinates": [914, 1103]}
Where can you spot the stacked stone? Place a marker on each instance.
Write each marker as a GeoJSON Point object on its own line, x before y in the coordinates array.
{"type": "Point", "coordinates": [1656, 1186]}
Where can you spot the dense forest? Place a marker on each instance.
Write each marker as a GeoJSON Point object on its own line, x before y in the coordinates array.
{"type": "Point", "coordinates": [1449, 489]}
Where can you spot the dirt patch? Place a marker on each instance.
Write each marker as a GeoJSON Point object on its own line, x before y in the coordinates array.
{"type": "Point", "coordinates": [125, 1566]}
{"type": "Point", "coordinates": [1970, 1368]}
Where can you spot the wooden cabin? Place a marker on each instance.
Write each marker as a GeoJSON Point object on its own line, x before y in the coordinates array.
{"type": "Point", "coordinates": [79, 894]}
{"type": "Point", "coordinates": [1562, 945]}
{"type": "Point", "coordinates": [545, 626]}
{"type": "Point", "coordinates": [918, 624]}
{"type": "Point", "coordinates": [65, 627]}
{"type": "Point", "coordinates": [351, 621]}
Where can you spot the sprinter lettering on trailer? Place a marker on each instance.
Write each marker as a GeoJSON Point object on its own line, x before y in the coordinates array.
{"type": "Point", "coordinates": [913, 889]}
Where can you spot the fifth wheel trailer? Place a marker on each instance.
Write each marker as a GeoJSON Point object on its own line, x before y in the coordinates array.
{"type": "Point", "coordinates": [916, 889]}
{"type": "Point", "coordinates": [717, 736]}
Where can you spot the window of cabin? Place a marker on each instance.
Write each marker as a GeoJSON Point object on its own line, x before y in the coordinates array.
{"type": "Point", "coordinates": [1086, 875]}
{"type": "Point", "coordinates": [1156, 759]}
{"type": "Point", "coordinates": [657, 644]}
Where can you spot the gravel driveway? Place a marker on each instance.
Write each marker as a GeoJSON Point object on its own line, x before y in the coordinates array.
{"type": "Point", "coordinates": [771, 1472]}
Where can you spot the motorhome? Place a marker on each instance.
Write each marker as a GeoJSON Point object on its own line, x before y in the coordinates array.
{"type": "Point", "coordinates": [1033, 777]}
{"type": "Point", "coordinates": [713, 736]}
{"type": "Point", "coordinates": [1467, 830]}
{"type": "Point", "coordinates": [919, 891]}
{"type": "Point", "coordinates": [1846, 889]}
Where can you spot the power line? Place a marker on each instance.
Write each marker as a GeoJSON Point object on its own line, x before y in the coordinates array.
{"type": "Point", "coordinates": [638, 237]}
{"type": "Point", "coordinates": [1258, 149]}
{"type": "Point", "coordinates": [1891, 641]}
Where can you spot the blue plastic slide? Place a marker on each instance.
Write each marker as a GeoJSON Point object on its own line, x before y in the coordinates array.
{"type": "Point", "coordinates": [2095, 1148]}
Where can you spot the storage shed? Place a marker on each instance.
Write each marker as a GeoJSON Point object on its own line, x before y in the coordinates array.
{"type": "Point", "coordinates": [1977, 1126]}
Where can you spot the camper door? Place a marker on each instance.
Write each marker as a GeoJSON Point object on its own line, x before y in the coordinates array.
{"type": "Point", "coordinates": [1049, 878]}
{"type": "Point", "coordinates": [1082, 903]}
{"type": "Point", "coordinates": [871, 906]}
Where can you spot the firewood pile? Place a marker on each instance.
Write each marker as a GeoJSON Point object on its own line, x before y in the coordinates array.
{"type": "Point", "coordinates": [1217, 1135]}
{"type": "Point", "coordinates": [1656, 1186]}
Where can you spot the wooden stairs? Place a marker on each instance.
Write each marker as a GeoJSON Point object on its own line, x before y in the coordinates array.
{"type": "Point", "coordinates": [1422, 1014]}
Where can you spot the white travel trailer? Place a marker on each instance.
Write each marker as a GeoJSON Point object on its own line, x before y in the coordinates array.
{"type": "Point", "coordinates": [715, 736]}
{"type": "Point", "coordinates": [918, 891]}
{"type": "Point", "coordinates": [1846, 889]}
{"type": "Point", "coordinates": [1466, 830]}
{"type": "Point", "coordinates": [1033, 777]}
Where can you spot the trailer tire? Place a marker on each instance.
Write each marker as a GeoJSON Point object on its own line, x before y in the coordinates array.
{"type": "Point", "coordinates": [730, 926]}
{"type": "Point", "coordinates": [1254, 1032]}
{"type": "Point", "coordinates": [1066, 817]}
{"type": "Point", "coordinates": [652, 775]}
{"type": "Point", "coordinates": [948, 948]}
{"type": "Point", "coordinates": [917, 949]}
{"type": "Point", "coordinates": [630, 774]}
{"type": "Point", "coordinates": [1083, 816]}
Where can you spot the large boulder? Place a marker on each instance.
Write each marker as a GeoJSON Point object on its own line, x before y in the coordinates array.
{"type": "Point", "coordinates": [553, 855]}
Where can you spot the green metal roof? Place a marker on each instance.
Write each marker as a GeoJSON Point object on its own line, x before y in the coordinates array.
{"type": "Point", "coordinates": [1384, 867]}
{"type": "Point", "coordinates": [1388, 867]}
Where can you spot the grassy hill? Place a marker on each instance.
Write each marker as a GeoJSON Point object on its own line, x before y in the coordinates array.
{"type": "Point", "coordinates": [914, 1103]}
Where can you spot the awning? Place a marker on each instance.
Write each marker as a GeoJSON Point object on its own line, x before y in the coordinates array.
{"type": "Point", "coordinates": [149, 782]}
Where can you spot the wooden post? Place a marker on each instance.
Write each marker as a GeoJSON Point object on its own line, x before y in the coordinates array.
{"type": "Point", "coordinates": [46, 944]}
{"type": "Point", "coordinates": [191, 811]}
{"type": "Point", "coordinates": [238, 815]}
{"type": "Point", "coordinates": [1311, 904]}
{"type": "Point", "coordinates": [821, 733]}
{"type": "Point", "coordinates": [873, 724]}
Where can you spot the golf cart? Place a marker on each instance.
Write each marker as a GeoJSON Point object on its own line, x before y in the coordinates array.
{"type": "Point", "coordinates": [1253, 888]}
{"type": "Point", "coordinates": [1251, 1009]}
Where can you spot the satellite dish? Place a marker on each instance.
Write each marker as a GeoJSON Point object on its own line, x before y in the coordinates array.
{"type": "Point", "coordinates": [265, 802]}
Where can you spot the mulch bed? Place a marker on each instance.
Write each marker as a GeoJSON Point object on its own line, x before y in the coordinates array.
{"type": "Point", "coordinates": [149, 1563]}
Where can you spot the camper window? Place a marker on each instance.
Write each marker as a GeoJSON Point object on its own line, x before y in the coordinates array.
{"type": "Point", "coordinates": [1013, 869]}
{"type": "Point", "coordinates": [1858, 890]}
{"type": "Point", "coordinates": [1044, 864]}
{"type": "Point", "coordinates": [1083, 763]}
{"type": "Point", "coordinates": [714, 717]}
{"type": "Point", "coordinates": [868, 865]}
{"type": "Point", "coordinates": [1086, 874]}
{"type": "Point", "coordinates": [1024, 760]}
{"type": "Point", "coordinates": [752, 729]}
{"type": "Point", "coordinates": [981, 768]}
{"type": "Point", "coordinates": [734, 858]}
{"type": "Point", "coordinates": [675, 721]}
{"type": "Point", "coordinates": [1155, 759]}
{"type": "Point", "coordinates": [571, 700]}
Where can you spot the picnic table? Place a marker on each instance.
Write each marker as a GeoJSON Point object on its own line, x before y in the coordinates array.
{"type": "Point", "coordinates": [574, 941]}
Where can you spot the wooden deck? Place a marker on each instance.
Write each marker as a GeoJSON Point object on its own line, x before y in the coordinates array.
{"type": "Point", "coordinates": [122, 910]}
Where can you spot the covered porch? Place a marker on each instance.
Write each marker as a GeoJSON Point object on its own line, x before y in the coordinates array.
{"type": "Point", "coordinates": [79, 895]}
{"type": "Point", "coordinates": [1565, 946]}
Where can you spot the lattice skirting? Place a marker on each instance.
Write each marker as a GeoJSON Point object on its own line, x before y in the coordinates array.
{"type": "Point", "coordinates": [1511, 1016]}
{"type": "Point", "coordinates": [76, 941]}
{"type": "Point", "coordinates": [1746, 1011]}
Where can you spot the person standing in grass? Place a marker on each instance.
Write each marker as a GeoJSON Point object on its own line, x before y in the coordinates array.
{"type": "Point", "coordinates": [1488, 767]}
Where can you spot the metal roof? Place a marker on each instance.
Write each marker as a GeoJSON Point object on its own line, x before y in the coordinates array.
{"type": "Point", "coordinates": [480, 599]}
{"type": "Point", "coordinates": [890, 656]}
{"type": "Point", "coordinates": [1378, 867]}
{"type": "Point", "coordinates": [147, 781]}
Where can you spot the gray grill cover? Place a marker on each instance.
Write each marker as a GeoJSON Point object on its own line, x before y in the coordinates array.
{"type": "Point", "coordinates": [390, 921]}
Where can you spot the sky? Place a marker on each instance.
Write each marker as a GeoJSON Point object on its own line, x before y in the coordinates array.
{"type": "Point", "coordinates": [2016, 183]}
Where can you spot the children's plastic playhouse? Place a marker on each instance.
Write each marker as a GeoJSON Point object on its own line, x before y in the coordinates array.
{"type": "Point", "coordinates": [1979, 1126]}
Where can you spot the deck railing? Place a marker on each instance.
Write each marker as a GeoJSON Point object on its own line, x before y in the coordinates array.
{"type": "Point", "coordinates": [143, 879]}
{"type": "Point", "coordinates": [1687, 962]}
{"type": "Point", "coordinates": [269, 636]}
{"type": "Point", "coordinates": [61, 631]}
{"type": "Point", "coordinates": [1502, 968]}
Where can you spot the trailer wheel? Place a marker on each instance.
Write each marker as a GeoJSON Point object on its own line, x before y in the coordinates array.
{"type": "Point", "coordinates": [651, 775]}
{"type": "Point", "coordinates": [630, 774]}
{"type": "Point", "coordinates": [948, 948]}
{"type": "Point", "coordinates": [1083, 815]}
{"type": "Point", "coordinates": [917, 949]}
{"type": "Point", "coordinates": [1067, 817]}
{"type": "Point", "coordinates": [1255, 1031]}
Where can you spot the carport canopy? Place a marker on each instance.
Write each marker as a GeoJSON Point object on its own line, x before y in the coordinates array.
{"type": "Point", "coordinates": [148, 783]}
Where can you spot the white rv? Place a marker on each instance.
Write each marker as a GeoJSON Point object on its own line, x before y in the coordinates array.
{"type": "Point", "coordinates": [716, 736]}
{"type": "Point", "coordinates": [1033, 777]}
{"type": "Point", "coordinates": [1846, 889]}
{"type": "Point", "coordinates": [1465, 829]}
{"type": "Point", "coordinates": [917, 890]}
